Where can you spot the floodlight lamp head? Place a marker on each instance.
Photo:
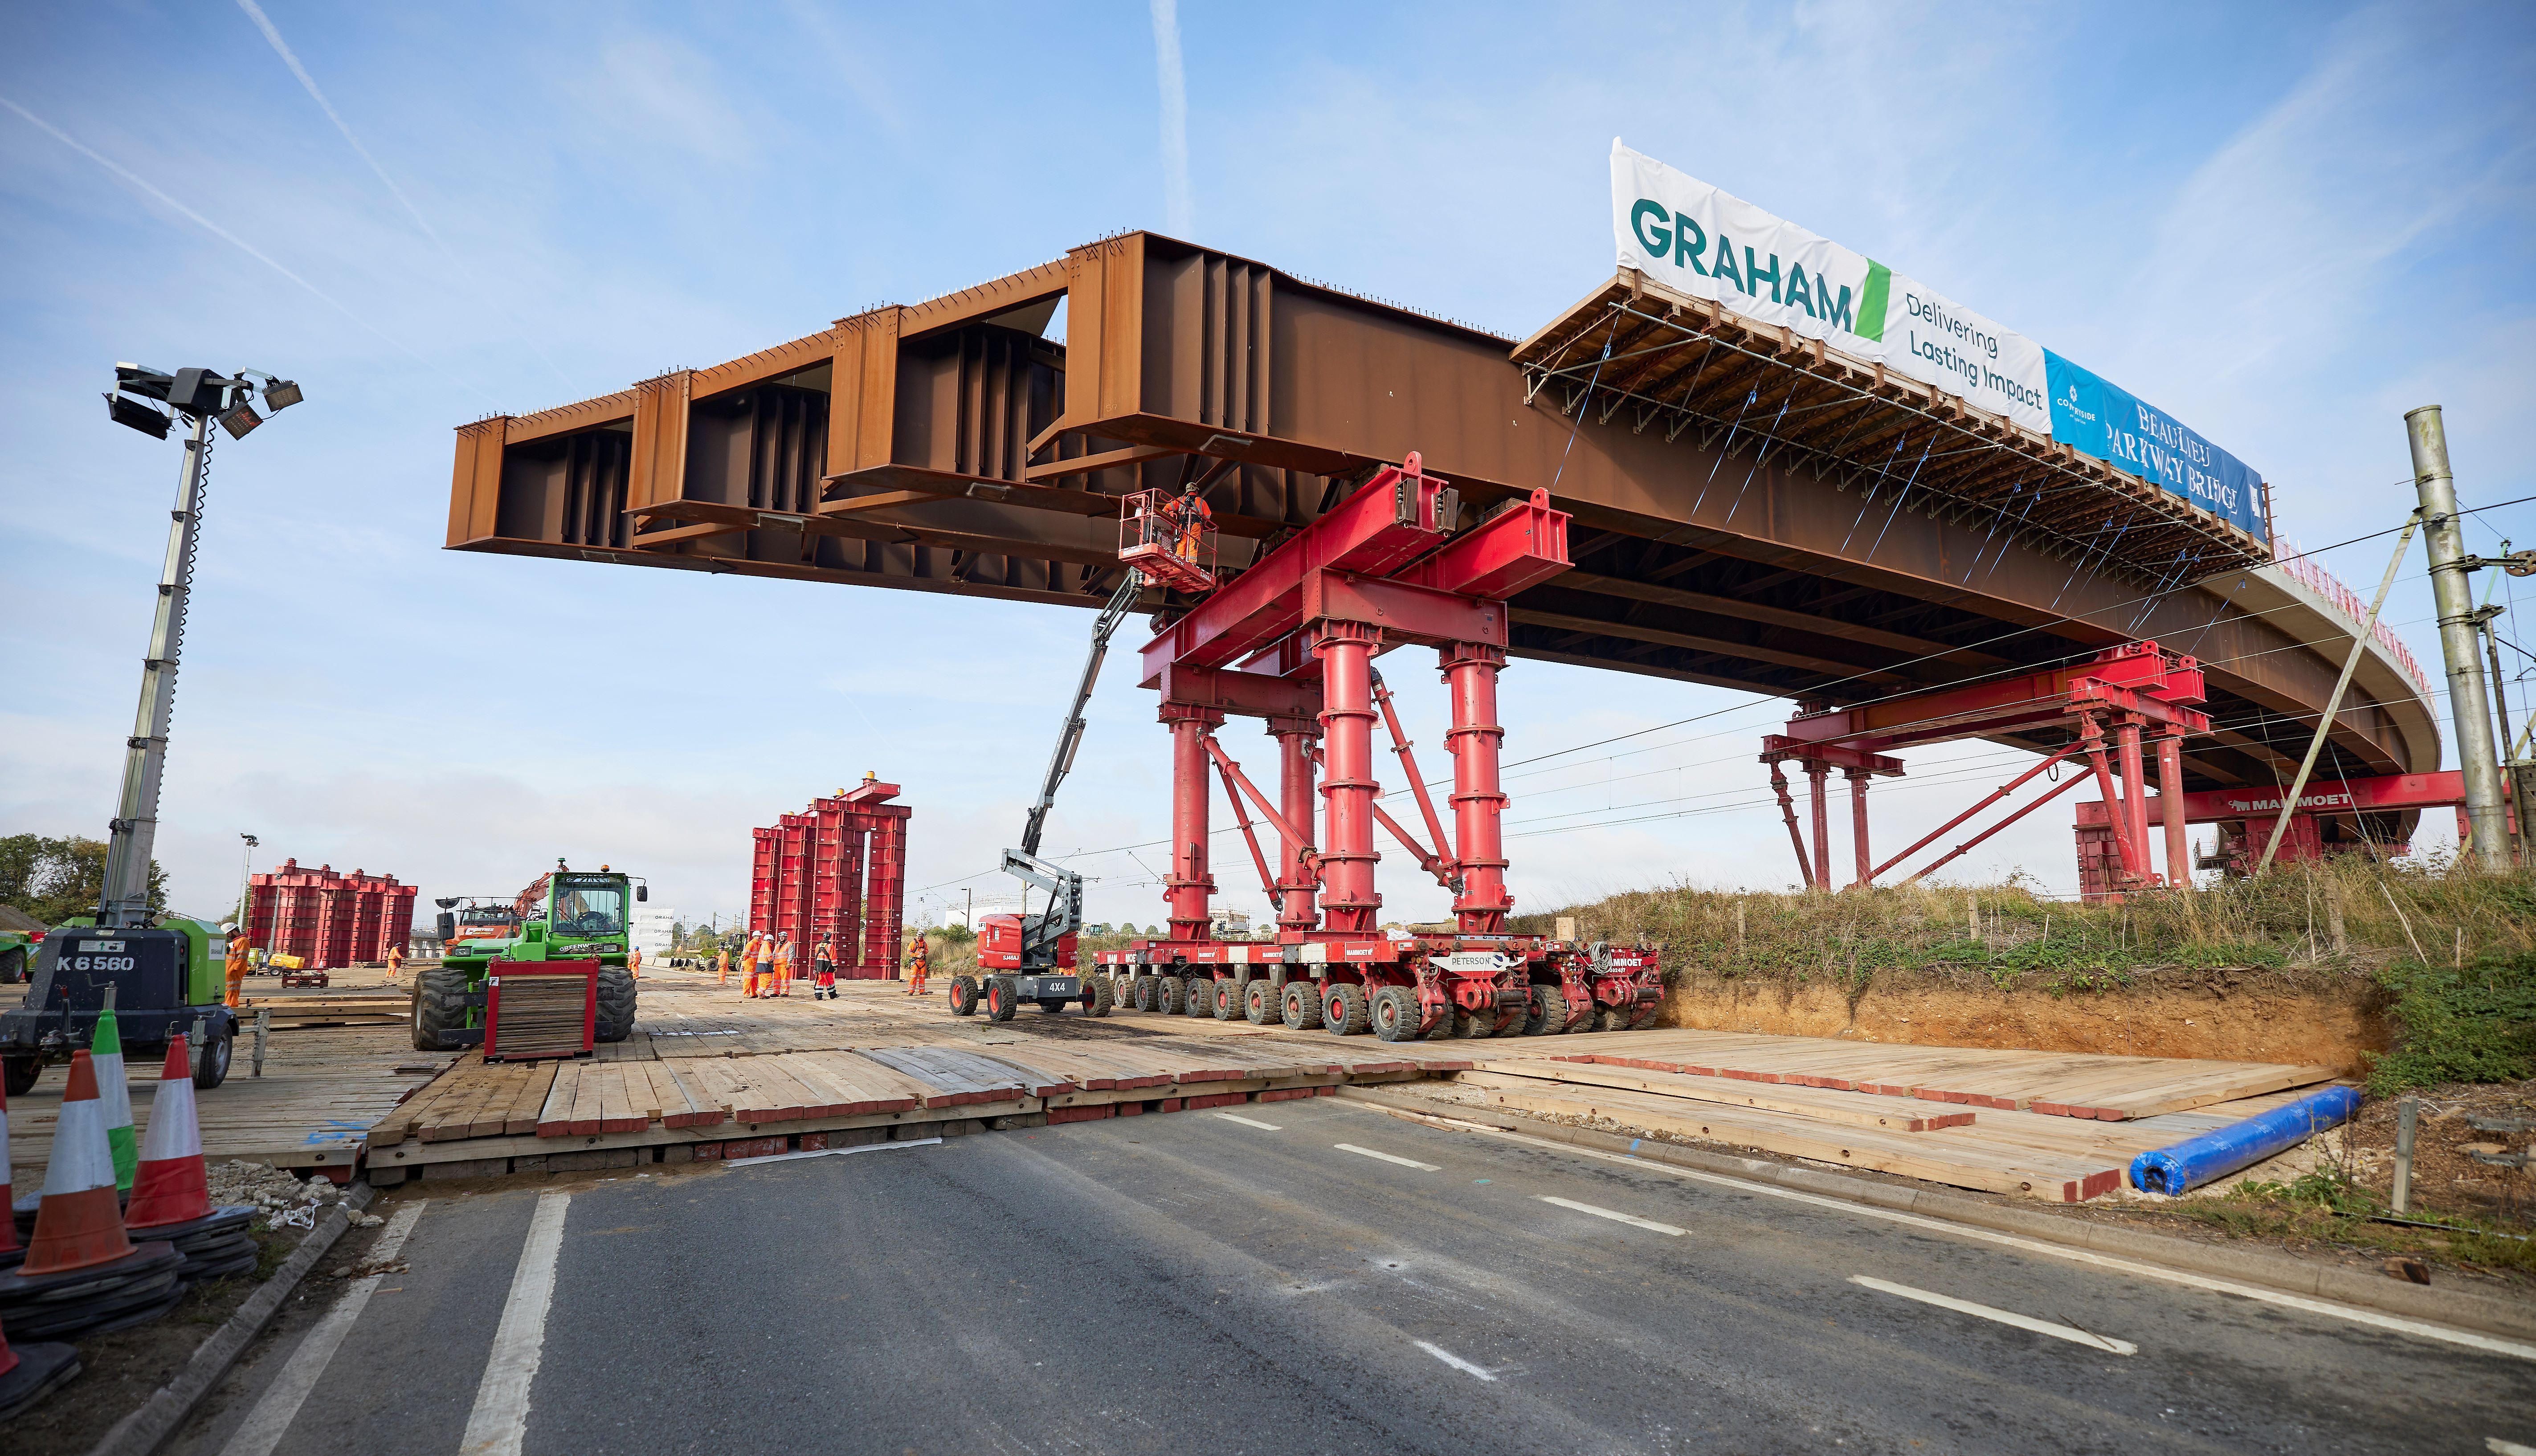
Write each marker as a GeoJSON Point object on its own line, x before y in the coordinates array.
{"type": "Point", "coordinates": [241, 421]}
{"type": "Point", "coordinates": [140, 379]}
{"type": "Point", "coordinates": [282, 394]}
{"type": "Point", "coordinates": [134, 415]}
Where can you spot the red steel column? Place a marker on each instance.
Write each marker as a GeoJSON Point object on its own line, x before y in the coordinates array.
{"type": "Point", "coordinates": [1816, 773]}
{"type": "Point", "coordinates": [1471, 671]}
{"type": "Point", "coordinates": [1294, 889]}
{"type": "Point", "coordinates": [1859, 779]}
{"type": "Point", "coordinates": [2169, 797]}
{"type": "Point", "coordinates": [1188, 884]}
{"type": "Point", "coordinates": [1348, 899]}
{"type": "Point", "coordinates": [2134, 807]}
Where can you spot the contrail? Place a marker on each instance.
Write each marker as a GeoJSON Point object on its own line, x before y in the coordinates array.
{"type": "Point", "coordinates": [308, 83]}
{"type": "Point", "coordinates": [217, 230]}
{"type": "Point", "coordinates": [1175, 87]}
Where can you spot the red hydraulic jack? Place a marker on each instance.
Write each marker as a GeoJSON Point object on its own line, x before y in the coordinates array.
{"type": "Point", "coordinates": [2109, 707]}
{"type": "Point", "coordinates": [1291, 640]}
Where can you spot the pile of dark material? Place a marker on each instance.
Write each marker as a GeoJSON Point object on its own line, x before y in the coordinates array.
{"type": "Point", "coordinates": [214, 1246]}
{"type": "Point", "coordinates": [99, 1300]}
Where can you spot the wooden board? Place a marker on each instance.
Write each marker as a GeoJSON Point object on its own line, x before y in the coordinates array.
{"type": "Point", "coordinates": [1854, 1108]}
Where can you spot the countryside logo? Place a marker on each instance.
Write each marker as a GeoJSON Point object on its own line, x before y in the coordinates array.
{"type": "Point", "coordinates": [2070, 406]}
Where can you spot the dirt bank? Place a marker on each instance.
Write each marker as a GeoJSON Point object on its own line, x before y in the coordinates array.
{"type": "Point", "coordinates": [2231, 1015]}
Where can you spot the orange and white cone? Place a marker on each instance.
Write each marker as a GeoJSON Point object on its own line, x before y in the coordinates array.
{"type": "Point", "coordinates": [8, 1223]}
{"type": "Point", "coordinates": [79, 1224]}
{"type": "Point", "coordinates": [172, 1185]}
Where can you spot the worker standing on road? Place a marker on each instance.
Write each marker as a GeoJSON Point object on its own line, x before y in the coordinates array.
{"type": "Point", "coordinates": [916, 965]}
{"type": "Point", "coordinates": [634, 962]}
{"type": "Point", "coordinates": [825, 958]}
{"type": "Point", "coordinates": [236, 967]}
{"type": "Point", "coordinates": [784, 966]}
{"type": "Point", "coordinates": [759, 959]}
{"type": "Point", "coordinates": [395, 961]}
{"type": "Point", "coordinates": [721, 966]}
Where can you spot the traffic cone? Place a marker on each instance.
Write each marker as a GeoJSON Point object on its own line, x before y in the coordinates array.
{"type": "Point", "coordinates": [79, 1224]}
{"type": "Point", "coordinates": [7, 1222]}
{"type": "Point", "coordinates": [114, 1093]}
{"type": "Point", "coordinates": [26, 1377]}
{"type": "Point", "coordinates": [172, 1185]}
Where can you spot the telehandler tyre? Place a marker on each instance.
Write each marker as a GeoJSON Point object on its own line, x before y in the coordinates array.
{"type": "Point", "coordinates": [616, 1019]}
{"type": "Point", "coordinates": [964, 996]}
{"type": "Point", "coordinates": [439, 1008]}
{"type": "Point", "coordinates": [1003, 999]}
{"type": "Point", "coordinates": [1099, 995]}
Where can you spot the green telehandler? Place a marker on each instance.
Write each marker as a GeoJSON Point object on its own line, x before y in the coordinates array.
{"type": "Point", "coordinates": [567, 914]}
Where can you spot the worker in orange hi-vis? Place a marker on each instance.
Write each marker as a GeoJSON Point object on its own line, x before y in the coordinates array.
{"type": "Point", "coordinates": [1191, 513]}
{"type": "Point", "coordinates": [784, 966]}
{"type": "Point", "coordinates": [236, 967]}
{"type": "Point", "coordinates": [395, 961]}
{"type": "Point", "coordinates": [750, 967]}
{"type": "Point", "coordinates": [824, 956]}
{"type": "Point", "coordinates": [634, 961]}
{"type": "Point", "coordinates": [721, 966]}
{"type": "Point", "coordinates": [917, 956]}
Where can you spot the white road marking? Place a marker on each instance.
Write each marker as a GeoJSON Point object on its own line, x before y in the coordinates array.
{"type": "Point", "coordinates": [2397, 1323]}
{"type": "Point", "coordinates": [1386, 1157]}
{"type": "Point", "coordinates": [914, 1142]}
{"type": "Point", "coordinates": [501, 1415]}
{"type": "Point", "coordinates": [1250, 1122]}
{"type": "Point", "coordinates": [280, 1405]}
{"type": "Point", "coordinates": [2498, 1447]}
{"type": "Point", "coordinates": [1615, 1216]}
{"type": "Point", "coordinates": [2070, 1333]}
{"type": "Point", "coordinates": [1448, 1356]}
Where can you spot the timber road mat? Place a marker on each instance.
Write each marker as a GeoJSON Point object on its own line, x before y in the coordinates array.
{"type": "Point", "coordinates": [708, 1075]}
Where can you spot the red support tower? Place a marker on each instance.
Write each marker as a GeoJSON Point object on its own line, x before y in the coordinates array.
{"type": "Point", "coordinates": [836, 872]}
{"type": "Point", "coordinates": [328, 920]}
{"type": "Point", "coordinates": [2106, 705]}
{"type": "Point", "coordinates": [1292, 639]}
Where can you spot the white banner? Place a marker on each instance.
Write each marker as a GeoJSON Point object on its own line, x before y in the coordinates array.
{"type": "Point", "coordinates": [1695, 239]}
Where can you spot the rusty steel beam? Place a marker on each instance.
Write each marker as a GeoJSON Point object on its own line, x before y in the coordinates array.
{"type": "Point", "coordinates": [949, 447]}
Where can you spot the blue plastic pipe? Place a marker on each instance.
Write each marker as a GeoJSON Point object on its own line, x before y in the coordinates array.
{"type": "Point", "coordinates": [2219, 1152]}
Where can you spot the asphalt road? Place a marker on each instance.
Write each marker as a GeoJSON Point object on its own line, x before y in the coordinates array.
{"type": "Point", "coordinates": [1200, 1283]}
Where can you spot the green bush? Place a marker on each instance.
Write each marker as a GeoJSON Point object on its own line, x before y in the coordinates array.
{"type": "Point", "coordinates": [2472, 1025]}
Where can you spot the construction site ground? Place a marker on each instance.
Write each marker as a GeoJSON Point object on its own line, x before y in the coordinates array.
{"type": "Point", "coordinates": [709, 1075]}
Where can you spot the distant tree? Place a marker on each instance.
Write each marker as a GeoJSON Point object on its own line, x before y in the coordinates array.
{"type": "Point", "coordinates": [54, 879]}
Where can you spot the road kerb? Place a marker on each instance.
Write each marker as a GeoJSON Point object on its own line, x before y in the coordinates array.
{"type": "Point", "coordinates": [2470, 1309]}
{"type": "Point", "coordinates": [150, 1423]}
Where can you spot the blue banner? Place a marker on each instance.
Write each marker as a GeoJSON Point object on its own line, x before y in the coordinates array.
{"type": "Point", "coordinates": [2117, 427]}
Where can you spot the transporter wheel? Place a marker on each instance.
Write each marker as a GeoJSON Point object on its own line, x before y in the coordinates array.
{"type": "Point", "coordinates": [1003, 999]}
{"type": "Point", "coordinates": [1120, 984]}
{"type": "Point", "coordinates": [1099, 995]}
{"type": "Point", "coordinates": [616, 1019]}
{"type": "Point", "coordinates": [1481, 1024]}
{"type": "Point", "coordinates": [1227, 1000]}
{"type": "Point", "coordinates": [1199, 999]}
{"type": "Point", "coordinates": [1580, 1014]}
{"type": "Point", "coordinates": [1607, 1018]}
{"type": "Point", "coordinates": [964, 996]}
{"type": "Point", "coordinates": [1259, 1002]}
{"type": "Point", "coordinates": [1395, 1014]}
{"type": "Point", "coordinates": [1544, 1010]}
{"type": "Point", "coordinates": [1300, 1008]}
{"type": "Point", "coordinates": [1140, 992]}
{"type": "Point", "coordinates": [18, 1074]}
{"type": "Point", "coordinates": [1167, 991]}
{"type": "Point", "coordinates": [439, 1007]}
{"type": "Point", "coordinates": [1344, 1010]}
{"type": "Point", "coordinates": [1646, 1016]}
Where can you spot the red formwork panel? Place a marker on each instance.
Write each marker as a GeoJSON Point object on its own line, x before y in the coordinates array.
{"type": "Point", "coordinates": [326, 918]}
{"type": "Point", "coordinates": [837, 871]}
{"type": "Point", "coordinates": [761, 881]}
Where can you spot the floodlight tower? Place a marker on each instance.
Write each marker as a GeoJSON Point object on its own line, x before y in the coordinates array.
{"type": "Point", "coordinates": [198, 395]}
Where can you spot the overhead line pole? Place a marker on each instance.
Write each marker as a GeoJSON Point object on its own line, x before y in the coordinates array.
{"type": "Point", "coordinates": [2486, 831]}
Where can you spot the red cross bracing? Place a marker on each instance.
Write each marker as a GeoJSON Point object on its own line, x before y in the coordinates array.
{"type": "Point", "coordinates": [2112, 710]}
{"type": "Point", "coordinates": [1291, 641]}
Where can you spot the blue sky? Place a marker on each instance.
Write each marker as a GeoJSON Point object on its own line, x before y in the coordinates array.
{"type": "Point", "coordinates": [2284, 225]}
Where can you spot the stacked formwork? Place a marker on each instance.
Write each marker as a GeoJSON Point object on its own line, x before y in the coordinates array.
{"type": "Point", "coordinates": [326, 918]}
{"type": "Point", "coordinates": [836, 872]}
